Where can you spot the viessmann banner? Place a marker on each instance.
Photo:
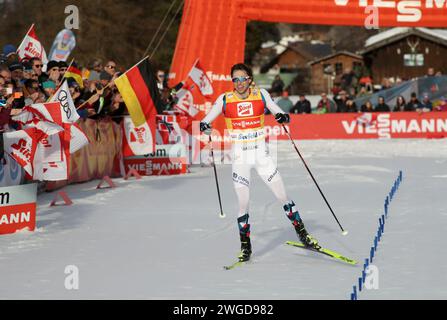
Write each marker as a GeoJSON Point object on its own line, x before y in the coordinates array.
{"type": "Point", "coordinates": [18, 208]}
{"type": "Point", "coordinates": [167, 159]}
{"type": "Point", "coordinates": [362, 126]}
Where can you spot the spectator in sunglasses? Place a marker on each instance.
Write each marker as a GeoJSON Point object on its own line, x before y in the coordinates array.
{"type": "Point", "coordinates": [110, 67]}
{"type": "Point", "coordinates": [53, 72]}
{"type": "Point", "coordinates": [36, 65]}
{"type": "Point", "coordinates": [27, 70]}
{"type": "Point", "coordinates": [63, 66]}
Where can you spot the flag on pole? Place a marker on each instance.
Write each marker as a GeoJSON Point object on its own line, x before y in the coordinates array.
{"type": "Point", "coordinates": [53, 153]}
{"type": "Point", "coordinates": [199, 77]}
{"type": "Point", "coordinates": [22, 145]}
{"type": "Point", "coordinates": [32, 47]}
{"type": "Point", "coordinates": [136, 140]}
{"type": "Point", "coordinates": [185, 102]}
{"type": "Point", "coordinates": [138, 87]}
{"type": "Point", "coordinates": [75, 73]}
{"type": "Point", "coordinates": [63, 96]}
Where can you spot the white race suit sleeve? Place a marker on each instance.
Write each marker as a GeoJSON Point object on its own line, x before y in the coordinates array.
{"type": "Point", "coordinates": [270, 104]}
{"type": "Point", "coordinates": [216, 110]}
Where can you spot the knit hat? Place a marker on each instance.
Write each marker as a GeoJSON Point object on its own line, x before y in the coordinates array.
{"type": "Point", "coordinates": [15, 66]}
{"type": "Point", "coordinates": [27, 66]}
{"type": "Point", "coordinates": [8, 49]}
{"type": "Point", "coordinates": [49, 85]}
{"type": "Point", "coordinates": [52, 64]}
{"type": "Point", "coordinates": [62, 64]}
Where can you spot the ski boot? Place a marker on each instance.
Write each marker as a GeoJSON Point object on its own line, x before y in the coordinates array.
{"type": "Point", "coordinates": [245, 249]}
{"type": "Point", "coordinates": [298, 224]}
{"type": "Point", "coordinates": [244, 232]}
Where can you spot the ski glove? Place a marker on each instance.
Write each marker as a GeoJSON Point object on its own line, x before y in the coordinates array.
{"type": "Point", "coordinates": [205, 128]}
{"type": "Point", "coordinates": [282, 118]}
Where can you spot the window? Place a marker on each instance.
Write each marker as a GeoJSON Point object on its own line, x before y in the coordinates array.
{"type": "Point", "coordinates": [339, 68]}
{"type": "Point", "coordinates": [327, 68]}
{"type": "Point", "coordinates": [413, 60]}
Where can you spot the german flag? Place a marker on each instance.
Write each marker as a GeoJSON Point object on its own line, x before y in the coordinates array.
{"type": "Point", "coordinates": [75, 73]}
{"type": "Point", "coordinates": [138, 87]}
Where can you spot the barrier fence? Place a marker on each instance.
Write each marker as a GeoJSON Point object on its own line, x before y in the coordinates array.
{"type": "Point", "coordinates": [100, 158]}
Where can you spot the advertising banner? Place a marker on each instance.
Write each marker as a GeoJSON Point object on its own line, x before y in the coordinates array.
{"type": "Point", "coordinates": [18, 208]}
{"type": "Point", "coordinates": [168, 159]}
{"type": "Point", "coordinates": [362, 126]}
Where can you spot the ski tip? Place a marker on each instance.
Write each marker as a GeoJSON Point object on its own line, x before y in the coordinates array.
{"type": "Point", "coordinates": [345, 233]}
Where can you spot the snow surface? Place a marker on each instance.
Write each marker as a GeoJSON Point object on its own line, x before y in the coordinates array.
{"type": "Point", "coordinates": [162, 238]}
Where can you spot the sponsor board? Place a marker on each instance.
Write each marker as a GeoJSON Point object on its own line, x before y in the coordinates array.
{"type": "Point", "coordinates": [167, 159]}
{"type": "Point", "coordinates": [18, 208]}
{"type": "Point", "coordinates": [353, 126]}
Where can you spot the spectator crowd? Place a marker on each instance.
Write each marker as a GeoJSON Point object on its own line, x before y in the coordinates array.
{"type": "Point", "coordinates": [24, 82]}
{"type": "Point", "coordinates": [343, 103]}
{"type": "Point", "coordinates": [352, 85]}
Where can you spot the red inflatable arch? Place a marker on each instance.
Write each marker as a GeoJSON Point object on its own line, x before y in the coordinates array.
{"type": "Point", "coordinates": [214, 30]}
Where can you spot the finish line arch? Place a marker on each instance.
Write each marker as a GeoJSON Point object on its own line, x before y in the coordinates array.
{"type": "Point", "coordinates": [214, 30]}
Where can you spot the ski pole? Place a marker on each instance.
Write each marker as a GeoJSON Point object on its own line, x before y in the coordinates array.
{"type": "Point", "coordinates": [311, 175]}
{"type": "Point", "coordinates": [222, 214]}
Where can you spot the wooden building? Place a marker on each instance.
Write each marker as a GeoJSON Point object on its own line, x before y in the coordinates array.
{"type": "Point", "coordinates": [406, 53]}
{"type": "Point", "coordinates": [326, 71]}
{"type": "Point", "coordinates": [295, 59]}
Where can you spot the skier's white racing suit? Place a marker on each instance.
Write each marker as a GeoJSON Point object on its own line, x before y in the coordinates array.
{"type": "Point", "coordinates": [245, 122]}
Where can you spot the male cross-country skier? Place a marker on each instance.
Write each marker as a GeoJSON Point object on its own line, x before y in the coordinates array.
{"type": "Point", "coordinates": [243, 109]}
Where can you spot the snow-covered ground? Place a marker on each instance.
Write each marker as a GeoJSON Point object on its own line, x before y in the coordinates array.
{"type": "Point", "coordinates": [161, 237]}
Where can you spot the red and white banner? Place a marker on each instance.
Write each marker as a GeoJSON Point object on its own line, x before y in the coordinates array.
{"type": "Point", "coordinates": [31, 47]}
{"type": "Point", "coordinates": [166, 160]}
{"type": "Point", "coordinates": [185, 102]}
{"type": "Point", "coordinates": [199, 77]}
{"type": "Point", "coordinates": [22, 145]}
{"type": "Point", "coordinates": [53, 153]}
{"type": "Point", "coordinates": [136, 140]}
{"type": "Point", "coordinates": [362, 126]}
{"type": "Point", "coordinates": [196, 94]}
{"type": "Point", "coordinates": [18, 208]}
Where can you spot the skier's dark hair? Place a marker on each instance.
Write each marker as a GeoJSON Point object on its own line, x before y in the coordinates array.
{"type": "Point", "coordinates": [242, 67]}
